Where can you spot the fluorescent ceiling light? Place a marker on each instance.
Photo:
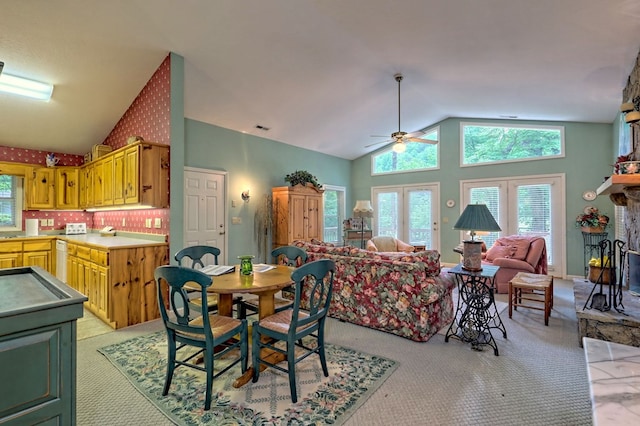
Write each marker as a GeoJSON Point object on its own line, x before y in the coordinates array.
{"type": "Point", "coordinates": [25, 87]}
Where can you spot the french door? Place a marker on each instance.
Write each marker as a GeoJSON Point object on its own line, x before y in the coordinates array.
{"type": "Point", "coordinates": [531, 206]}
{"type": "Point", "coordinates": [410, 213]}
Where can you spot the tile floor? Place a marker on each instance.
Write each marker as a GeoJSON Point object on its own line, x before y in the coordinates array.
{"type": "Point", "coordinates": [90, 325]}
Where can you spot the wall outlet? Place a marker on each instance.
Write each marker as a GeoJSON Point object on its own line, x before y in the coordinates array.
{"type": "Point", "coordinates": [157, 223]}
{"type": "Point", "coordinates": [50, 222]}
{"type": "Point", "coordinates": [147, 222]}
{"type": "Point", "coordinates": [43, 222]}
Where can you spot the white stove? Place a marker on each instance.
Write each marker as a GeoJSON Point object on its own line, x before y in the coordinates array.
{"type": "Point", "coordinates": [75, 228]}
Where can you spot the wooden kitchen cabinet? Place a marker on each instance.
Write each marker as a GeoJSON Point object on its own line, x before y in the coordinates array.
{"type": "Point", "coordinates": [107, 180]}
{"type": "Point", "coordinates": [40, 188]}
{"type": "Point", "coordinates": [38, 253]}
{"type": "Point", "coordinates": [118, 282]}
{"type": "Point", "coordinates": [10, 254]}
{"type": "Point", "coordinates": [146, 175]}
{"type": "Point", "coordinates": [297, 214]}
{"type": "Point", "coordinates": [98, 183]}
{"type": "Point", "coordinates": [86, 186]}
{"type": "Point", "coordinates": [118, 178]}
{"type": "Point", "coordinates": [67, 186]}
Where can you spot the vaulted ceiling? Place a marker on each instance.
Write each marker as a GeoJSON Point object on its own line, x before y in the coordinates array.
{"type": "Point", "coordinates": [317, 73]}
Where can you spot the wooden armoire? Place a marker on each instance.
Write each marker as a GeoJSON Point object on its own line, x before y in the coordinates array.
{"type": "Point", "coordinates": [297, 214]}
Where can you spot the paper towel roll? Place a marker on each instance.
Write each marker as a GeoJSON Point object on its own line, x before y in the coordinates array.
{"type": "Point", "coordinates": [31, 227]}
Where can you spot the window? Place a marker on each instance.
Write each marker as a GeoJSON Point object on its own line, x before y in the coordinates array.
{"type": "Point", "coordinates": [333, 208]}
{"type": "Point", "coordinates": [418, 156]}
{"type": "Point", "coordinates": [486, 143]}
{"type": "Point", "coordinates": [10, 203]}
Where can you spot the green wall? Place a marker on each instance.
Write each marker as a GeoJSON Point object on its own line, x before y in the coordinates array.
{"type": "Point", "coordinates": [588, 148]}
{"type": "Point", "coordinates": [257, 164]}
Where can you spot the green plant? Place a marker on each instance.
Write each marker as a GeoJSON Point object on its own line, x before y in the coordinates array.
{"type": "Point", "coordinates": [302, 177]}
{"type": "Point", "coordinates": [592, 218]}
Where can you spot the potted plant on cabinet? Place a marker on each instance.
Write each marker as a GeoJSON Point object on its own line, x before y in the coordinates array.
{"type": "Point", "coordinates": [302, 177]}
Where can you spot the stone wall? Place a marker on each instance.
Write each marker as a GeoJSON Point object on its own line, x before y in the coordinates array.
{"type": "Point", "coordinates": [632, 211]}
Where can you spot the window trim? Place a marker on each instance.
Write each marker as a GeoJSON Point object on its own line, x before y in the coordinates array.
{"type": "Point", "coordinates": [517, 126]}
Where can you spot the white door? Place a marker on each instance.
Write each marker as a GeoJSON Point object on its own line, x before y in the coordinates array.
{"type": "Point", "coordinates": [409, 213]}
{"type": "Point", "coordinates": [531, 205]}
{"type": "Point", "coordinates": [204, 210]}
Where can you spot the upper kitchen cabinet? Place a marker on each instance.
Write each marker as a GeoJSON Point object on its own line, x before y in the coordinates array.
{"type": "Point", "coordinates": [67, 186]}
{"type": "Point", "coordinates": [146, 175]}
{"type": "Point", "coordinates": [39, 188]}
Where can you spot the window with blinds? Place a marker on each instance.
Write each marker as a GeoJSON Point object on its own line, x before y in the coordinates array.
{"type": "Point", "coordinates": [10, 203]}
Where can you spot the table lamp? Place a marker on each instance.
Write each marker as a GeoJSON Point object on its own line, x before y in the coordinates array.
{"type": "Point", "coordinates": [475, 217]}
{"type": "Point", "coordinates": [362, 209]}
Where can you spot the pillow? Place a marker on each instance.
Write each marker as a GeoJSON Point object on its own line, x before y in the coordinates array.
{"type": "Point", "coordinates": [498, 251]}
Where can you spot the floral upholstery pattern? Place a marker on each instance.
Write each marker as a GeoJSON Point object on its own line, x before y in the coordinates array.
{"type": "Point", "coordinates": [405, 294]}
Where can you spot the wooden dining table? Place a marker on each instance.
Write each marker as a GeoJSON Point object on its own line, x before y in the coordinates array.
{"type": "Point", "coordinates": [264, 285]}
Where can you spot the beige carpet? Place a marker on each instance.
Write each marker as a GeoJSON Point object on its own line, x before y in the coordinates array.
{"type": "Point", "coordinates": [540, 377]}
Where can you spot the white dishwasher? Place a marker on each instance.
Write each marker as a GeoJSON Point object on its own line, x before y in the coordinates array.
{"type": "Point", "coordinates": [61, 260]}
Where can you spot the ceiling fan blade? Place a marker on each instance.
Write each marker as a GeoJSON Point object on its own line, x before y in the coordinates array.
{"type": "Point", "coordinates": [377, 143]}
{"type": "Point", "coordinates": [378, 136]}
{"type": "Point", "coordinates": [415, 134]}
{"type": "Point", "coordinates": [420, 140]}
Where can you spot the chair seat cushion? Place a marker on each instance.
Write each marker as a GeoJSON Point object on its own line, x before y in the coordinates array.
{"type": "Point", "coordinates": [220, 324]}
{"type": "Point", "coordinates": [280, 321]}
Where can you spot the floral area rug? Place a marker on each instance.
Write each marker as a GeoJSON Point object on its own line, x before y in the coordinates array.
{"type": "Point", "coordinates": [353, 377]}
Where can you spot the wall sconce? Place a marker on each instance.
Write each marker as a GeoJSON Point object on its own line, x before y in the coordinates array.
{"type": "Point", "coordinates": [245, 196]}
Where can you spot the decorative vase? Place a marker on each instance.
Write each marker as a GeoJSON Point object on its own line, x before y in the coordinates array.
{"type": "Point", "coordinates": [592, 229]}
{"type": "Point", "coordinates": [246, 267]}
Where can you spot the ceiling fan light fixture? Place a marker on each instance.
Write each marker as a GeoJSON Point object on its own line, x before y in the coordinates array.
{"type": "Point", "coordinates": [399, 147]}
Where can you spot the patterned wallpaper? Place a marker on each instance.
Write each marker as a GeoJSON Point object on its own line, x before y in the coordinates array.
{"type": "Point", "coordinates": [149, 117]}
{"type": "Point", "coordinates": [150, 113]}
{"type": "Point", "coordinates": [31, 156]}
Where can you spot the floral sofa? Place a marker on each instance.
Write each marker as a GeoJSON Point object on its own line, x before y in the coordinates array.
{"type": "Point", "coordinates": [405, 294]}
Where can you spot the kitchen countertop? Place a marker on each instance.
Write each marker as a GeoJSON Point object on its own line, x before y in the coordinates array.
{"type": "Point", "coordinates": [97, 240]}
{"type": "Point", "coordinates": [614, 379]}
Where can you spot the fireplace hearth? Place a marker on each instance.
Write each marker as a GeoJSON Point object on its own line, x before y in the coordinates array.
{"type": "Point", "coordinates": [611, 326]}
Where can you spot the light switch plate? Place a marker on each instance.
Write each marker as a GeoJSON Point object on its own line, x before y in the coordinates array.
{"type": "Point", "coordinates": [157, 223]}
{"type": "Point", "coordinates": [147, 222]}
{"type": "Point", "coordinates": [50, 222]}
{"type": "Point", "coordinates": [236, 220]}
{"type": "Point", "coordinates": [43, 222]}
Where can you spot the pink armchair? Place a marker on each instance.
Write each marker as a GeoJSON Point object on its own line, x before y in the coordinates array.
{"type": "Point", "coordinates": [515, 254]}
{"type": "Point", "coordinates": [385, 244]}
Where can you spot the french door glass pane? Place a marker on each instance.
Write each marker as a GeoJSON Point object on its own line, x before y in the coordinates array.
{"type": "Point", "coordinates": [534, 213]}
{"type": "Point", "coordinates": [331, 213]}
{"type": "Point", "coordinates": [420, 218]}
{"type": "Point", "coordinates": [490, 196]}
{"type": "Point", "coordinates": [387, 214]}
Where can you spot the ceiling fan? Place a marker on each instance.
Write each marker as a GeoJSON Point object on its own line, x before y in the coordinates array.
{"type": "Point", "coordinates": [400, 138]}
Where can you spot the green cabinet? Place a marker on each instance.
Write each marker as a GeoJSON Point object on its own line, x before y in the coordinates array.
{"type": "Point", "coordinates": [38, 316]}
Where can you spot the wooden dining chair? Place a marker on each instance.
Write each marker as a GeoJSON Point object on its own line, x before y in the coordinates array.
{"type": "Point", "coordinates": [193, 325]}
{"type": "Point", "coordinates": [285, 255]}
{"type": "Point", "coordinates": [294, 325]}
{"type": "Point", "coordinates": [196, 255]}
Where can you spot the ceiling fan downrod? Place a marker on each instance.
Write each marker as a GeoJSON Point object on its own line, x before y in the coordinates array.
{"type": "Point", "coordinates": [398, 78]}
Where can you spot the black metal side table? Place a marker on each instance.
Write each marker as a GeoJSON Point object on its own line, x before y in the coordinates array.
{"type": "Point", "coordinates": [591, 246]}
{"type": "Point", "coordinates": [476, 312]}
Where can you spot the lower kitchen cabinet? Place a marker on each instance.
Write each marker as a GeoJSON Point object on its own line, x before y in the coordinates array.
{"type": "Point", "coordinates": [118, 282]}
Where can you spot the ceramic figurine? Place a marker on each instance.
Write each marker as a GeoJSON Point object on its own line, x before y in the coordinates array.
{"type": "Point", "coordinates": [51, 160]}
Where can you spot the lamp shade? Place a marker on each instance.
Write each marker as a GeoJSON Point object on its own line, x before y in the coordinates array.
{"type": "Point", "coordinates": [399, 147]}
{"type": "Point", "coordinates": [476, 217]}
{"type": "Point", "coordinates": [363, 208]}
